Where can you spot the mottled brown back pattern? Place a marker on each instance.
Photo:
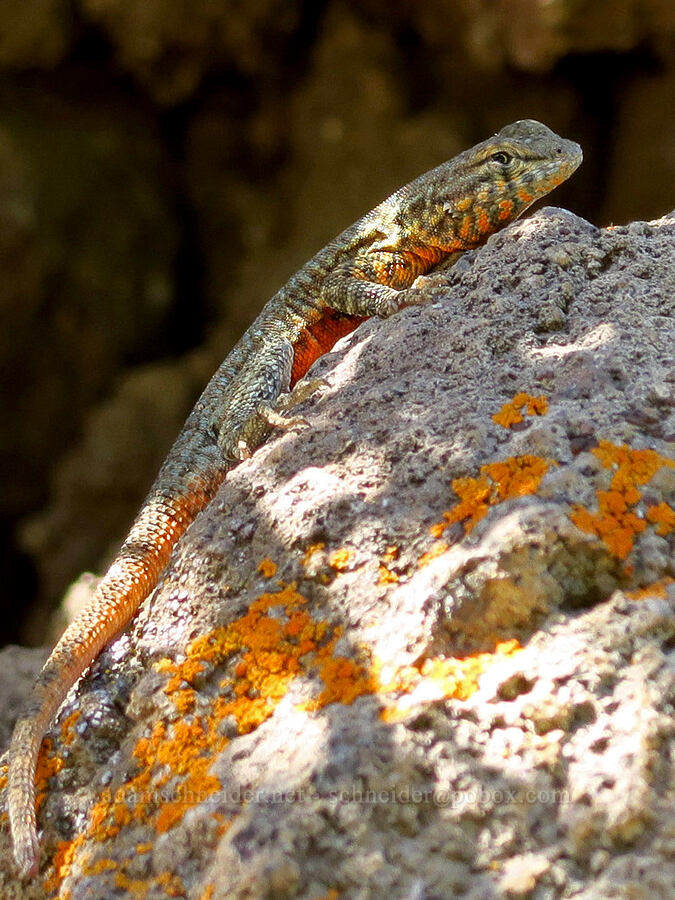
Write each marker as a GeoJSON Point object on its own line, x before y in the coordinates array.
{"type": "Point", "coordinates": [363, 272]}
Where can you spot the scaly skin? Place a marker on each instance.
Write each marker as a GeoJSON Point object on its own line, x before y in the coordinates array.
{"type": "Point", "coordinates": [363, 272]}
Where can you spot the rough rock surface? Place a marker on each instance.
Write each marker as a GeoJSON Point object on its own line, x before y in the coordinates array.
{"type": "Point", "coordinates": [419, 649]}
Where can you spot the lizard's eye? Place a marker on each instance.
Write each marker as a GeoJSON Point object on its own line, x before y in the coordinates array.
{"type": "Point", "coordinates": [501, 157]}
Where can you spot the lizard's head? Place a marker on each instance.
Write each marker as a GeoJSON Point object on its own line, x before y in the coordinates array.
{"type": "Point", "coordinates": [490, 185]}
{"type": "Point", "coordinates": [524, 161]}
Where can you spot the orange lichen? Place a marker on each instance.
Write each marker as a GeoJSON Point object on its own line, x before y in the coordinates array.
{"type": "Point", "coordinates": [516, 476]}
{"type": "Point", "coordinates": [264, 650]}
{"type": "Point", "coordinates": [438, 677]}
{"type": "Point", "coordinates": [616, 522]}
{"type": "Point", "coordinates": [274, 642]}
{"type": "Point", "coordinates": [277, 640]}
{"type": "Point", "coordinates": [172, 885]}
{"type": "Point", "coordinates": [344, 679]}
{"type": "Point", "coordinates": [49, 761]}
{"type": "Point", "coordinates": [184, 701]}
{"type": "Point", "coordinates": [436, 551]}
{"type": "Point", "coordinates": [164, 665]}
{"type": "Point", "coordinates": [267, 568]}
{"type": "Point", "coordinates": [458, 677]}
{"type": "Point", "coordinates": [537, 406]}
{"type": "Point", "coordinates": [386, 576]}
{"type": "Point", "coordinates": [102, 865]}
{"type": "Point", "coordinates": [474, 499]}
{"type": "Point", "coordinates": [68, 727]}
{"type": "Point", "coordinates": [62, 861]}
{"type": "Point", "coordinates": [339, 559]}
{"type": "Point", "coordinates": [183, 675]}
{"type": "Point", "coordinates": [169, 883]}
{"type": "Point", "coordinates": [511, 413]}
{"type": "Point", "coordinates": [632, 466]}
{"type": "Point", "coordinates": [657, 589]}
{"type": "Point", "coordinates": [48, 764]}
{"type": "Point", "coordinates": [310, 551]}
{"type": "Point", "coordinates": [663, 516]}
{"type": "Point", "coordinates": [223, 823]}
{"type": "Point", "coordinates": [207, 893]}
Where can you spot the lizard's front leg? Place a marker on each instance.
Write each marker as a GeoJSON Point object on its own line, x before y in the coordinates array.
{"type": "Point", "coordinates": [374, 283]}
{"type": "Point", "coordinates": [252, 407]}
{"type": "Point", "coordinates": [276, 414]}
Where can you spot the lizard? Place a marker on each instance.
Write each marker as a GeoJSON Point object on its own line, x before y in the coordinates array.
{"type": "Point", "coordinates": [365, 271]}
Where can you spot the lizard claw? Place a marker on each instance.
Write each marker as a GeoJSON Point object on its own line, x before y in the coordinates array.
{"type": "Point", "coordinates": [302, 391]}
{"type": "Point", "coordinates": [275, 419]}
{"type": "Point", "coordinates": [274, 415]}
{"type": "Point", "coordinates": [243, 450]}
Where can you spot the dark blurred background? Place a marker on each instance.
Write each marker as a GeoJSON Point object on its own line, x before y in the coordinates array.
{"type": "Point", "coordinates": [165, 166]}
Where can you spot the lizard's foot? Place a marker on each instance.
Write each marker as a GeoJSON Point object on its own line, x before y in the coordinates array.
{"type": "Point", "coordinates": [417, 294]}
{"type": "Point", "coordinates": [391, 304]}
{"type": "Point", "coordinates": [302, 391]}
{"type": "Point", "coordinates": [275, 419]}
{"type": "Point", "coordinates": [243, 451]}
{"type": "Point", "coordinates": [275, 415]}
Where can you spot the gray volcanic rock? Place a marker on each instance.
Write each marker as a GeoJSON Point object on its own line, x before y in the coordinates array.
{"type": "Point", "coordinates": [420, 648]}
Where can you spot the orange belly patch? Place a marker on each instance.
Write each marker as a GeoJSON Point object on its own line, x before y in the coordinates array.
{"type": "Point", "coordinates": [320, 337]}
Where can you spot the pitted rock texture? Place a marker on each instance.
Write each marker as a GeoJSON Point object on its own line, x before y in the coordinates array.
{"type": "Point", "coordinates": [420, 648]}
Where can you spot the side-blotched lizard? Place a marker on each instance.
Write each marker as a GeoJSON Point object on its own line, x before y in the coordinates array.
{"type": "Point", "coordinates": [361, 273]}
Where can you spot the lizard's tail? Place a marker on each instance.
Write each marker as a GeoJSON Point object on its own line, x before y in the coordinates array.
{"type": "Point", "coordinates": [120, 592]}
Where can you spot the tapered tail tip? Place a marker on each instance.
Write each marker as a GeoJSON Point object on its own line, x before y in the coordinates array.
{"type": "Point", "coordinates": [26, 855]}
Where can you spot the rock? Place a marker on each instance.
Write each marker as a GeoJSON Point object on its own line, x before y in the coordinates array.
{"type": "Point", "coordinates": [419, 648]}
